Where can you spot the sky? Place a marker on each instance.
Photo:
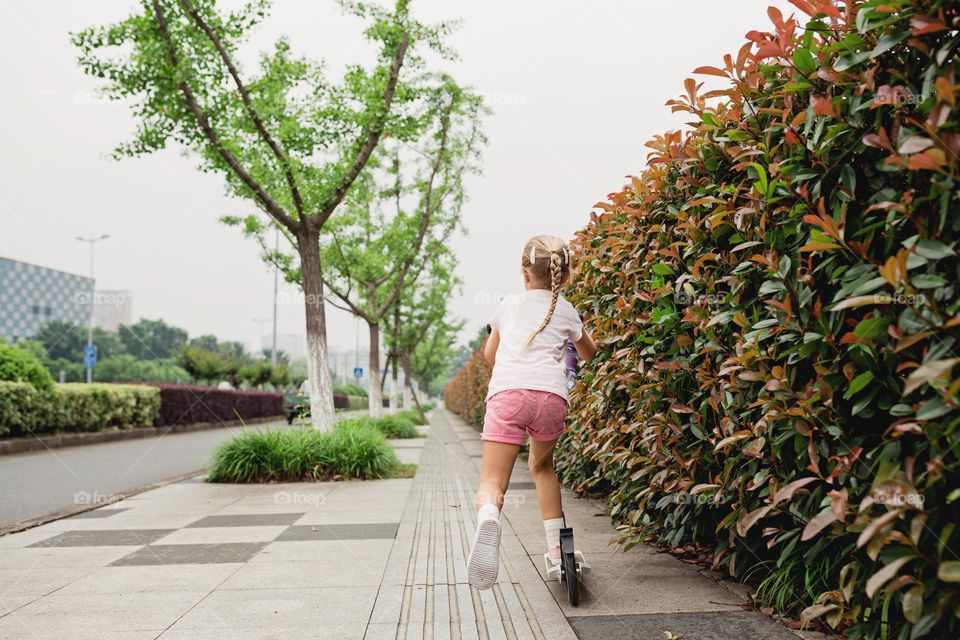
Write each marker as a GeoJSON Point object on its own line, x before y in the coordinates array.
{"type": "Point", "coordinates": [577, 87]}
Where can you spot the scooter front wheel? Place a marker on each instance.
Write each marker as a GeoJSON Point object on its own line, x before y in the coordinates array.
{"type": "Point", "coordinates": [569, 566]}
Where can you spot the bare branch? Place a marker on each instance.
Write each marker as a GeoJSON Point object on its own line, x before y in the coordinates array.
{"type": "Point", "coordinates": [372, 137]}
{"type": "Point", "coordinates": [268, 203]}
{"type": "Point", "coordinates": [245, 96]}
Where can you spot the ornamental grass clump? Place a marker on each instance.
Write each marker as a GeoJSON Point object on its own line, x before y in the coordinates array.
{"type": "Point", "coordinates": [778, 301]}
{"type": "Point", "coordinates": [303, 454]}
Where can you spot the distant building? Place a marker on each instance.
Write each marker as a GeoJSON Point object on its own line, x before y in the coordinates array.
{"type": "Point", "coordinates": [32, 296]}
{"type": "Point", "coordinates": [112, 308]}
{"type": "Point", "coordinates": [292, 344]}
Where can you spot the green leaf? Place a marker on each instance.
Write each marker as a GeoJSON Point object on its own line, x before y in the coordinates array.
{"type": "Point", "coordinates": [804, 61]}
{"type": "Point", "coordinates": [859, 383]}
{"type": "Point", "coordinates": [870, 328]}
{"type": "Point", "coordinates": [661, 269]}
{"type": "Point", "coordinates": [933, 250]}
{"type": "Point", "coordinates": [949, 571]}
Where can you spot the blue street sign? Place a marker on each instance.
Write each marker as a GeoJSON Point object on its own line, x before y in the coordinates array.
{"type": "Point", "coordinates": [89, 356]}
{"type": "Point", "coordinates": [358, 372]}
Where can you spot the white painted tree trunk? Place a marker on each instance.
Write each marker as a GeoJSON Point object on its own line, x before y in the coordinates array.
{"type": "Point", "coordinates": [375, 396]}
{"type": "Point", "coordinates": [318, 371]}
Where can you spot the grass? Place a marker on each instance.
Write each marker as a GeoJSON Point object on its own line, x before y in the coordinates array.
{"type": "Point", "coordinates": [391, 426]}
{"type": "Point", "coordinates": [352, 450]}
{"type": "Point", "coordinates": [412, 415]}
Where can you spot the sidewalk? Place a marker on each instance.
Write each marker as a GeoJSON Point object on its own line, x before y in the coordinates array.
{"type": "Point", "coordinates": [380, 559]}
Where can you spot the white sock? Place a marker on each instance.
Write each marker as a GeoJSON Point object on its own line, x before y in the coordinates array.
{"type": "Point", "coordinates": [490, 512]}
{"type": "Point", "coordinates": [552, 528]}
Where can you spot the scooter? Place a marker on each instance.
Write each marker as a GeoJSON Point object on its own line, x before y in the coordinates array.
{"type": "Point", "coordinates": [572, 565]}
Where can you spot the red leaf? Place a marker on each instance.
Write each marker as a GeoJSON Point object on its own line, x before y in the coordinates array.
{"type": "Point", "coordinates": [711, 71]}
{"type": "Point", "coordinates": [925, 24]}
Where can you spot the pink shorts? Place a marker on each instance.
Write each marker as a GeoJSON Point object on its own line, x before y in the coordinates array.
{"type": "Point", "coordinates": [514, 413]}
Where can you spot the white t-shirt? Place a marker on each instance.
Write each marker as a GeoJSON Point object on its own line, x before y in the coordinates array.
{"type": "Point", "coordinates": [541, 366]}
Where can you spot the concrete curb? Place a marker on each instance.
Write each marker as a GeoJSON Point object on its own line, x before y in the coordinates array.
{"type": "Point", "coordinates": [42, 443]}
{"type": "Point", "coordinates": [17, 527]}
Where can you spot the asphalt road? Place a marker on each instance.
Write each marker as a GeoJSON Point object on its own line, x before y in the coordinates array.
{"type": "Point", "coordinates": [41, 482]}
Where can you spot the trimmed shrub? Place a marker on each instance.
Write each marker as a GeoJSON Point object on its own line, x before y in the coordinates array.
{"type": "Point", "coordinates": [465, 393]}
{"type": "Point", "coordinates": [19, 407]}
{"type": "Point", "coordinates": [183, 404]}
{"type": "Point", "coordinates": [777, 297]}
{"type": "Point", "coordinates": [357, 402]}
{"type": "Point", "coordinates": [340, 401]}
{"type": "Point", "coordinates": [19, 365]}
{"type": "Point", "coordinates": [75, 407]}
{"type": "Point", "coordinates": [290, 455]}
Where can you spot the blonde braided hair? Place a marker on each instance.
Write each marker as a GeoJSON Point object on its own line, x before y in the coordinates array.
{"type": "Point", "coordinates": [535, 260]}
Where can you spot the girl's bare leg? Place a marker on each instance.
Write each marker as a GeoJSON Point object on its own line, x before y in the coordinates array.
{"type": "Point", "coordinates": [548, 487]}
{"type": "Point", "coordinates": [495, 470]}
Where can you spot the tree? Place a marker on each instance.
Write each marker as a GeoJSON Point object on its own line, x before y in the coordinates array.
{"type": "Point", "coordinates": [287, 139]}
{"type": "Point", "coordinates": [208, 366]}
{"type": "Point", "coordinates": [419, 335]}
{"type": "Point", "coordinates": [408, 207]}
{"type": "Point", "coordinates": [152, 339]}
{"type": "Point", "coordinates": [65, 340]}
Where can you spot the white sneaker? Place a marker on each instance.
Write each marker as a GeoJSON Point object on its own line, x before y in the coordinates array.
{"type": "Point", "coordinates": [484, 561]}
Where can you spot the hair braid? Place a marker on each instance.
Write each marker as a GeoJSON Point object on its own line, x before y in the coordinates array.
{"type": "Point", "coordinates": [556, 276]}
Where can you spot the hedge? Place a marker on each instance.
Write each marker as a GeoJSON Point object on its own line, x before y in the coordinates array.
{"type": "Point", "coordinates": [465, 393]}
{"type": "Point", "coordinates": [778, 303]}
{"type": "Point", "coordinates": [183, 404]}
{"type": "Point", "coordinates": [75, 407]}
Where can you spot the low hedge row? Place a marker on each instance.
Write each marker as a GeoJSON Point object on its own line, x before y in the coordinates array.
{"type": "Point", "coordinates": [75, 407]}
{"type": "Point", "coordinates": [465, 393]}
{"type": "Point", "coordinates": [182, 404]}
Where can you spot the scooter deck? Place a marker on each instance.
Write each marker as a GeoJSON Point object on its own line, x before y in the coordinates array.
{"type": "Point", "coordinates": [554, 571]}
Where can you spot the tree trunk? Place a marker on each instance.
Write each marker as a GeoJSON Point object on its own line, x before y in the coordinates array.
{"type": "Point", "coordinates": [394, 387]}
{"type": "Point", "coordinates": [318, 371]}
{"type": "Point", "coordinates": [409, 396]}
{"type": "Point", "coordinates": [375, 396]}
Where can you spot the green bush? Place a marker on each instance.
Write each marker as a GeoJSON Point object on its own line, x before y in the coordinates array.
{"type": "Point", "coordinates": [20, 404]}
{"type": "Point", "coordinates": [291, 455]}
{"type": "Point", "coordinates": [351, 389]}
{"type": "Point", "coordinates": [18, 365]}
{"type": "Point", "coordinates": [76, 407]}
{"type": "Point", "coordinates": [357, 402]}
{"type": "Point", "coordinates": [777, 301]}
{"type": "Point", "coordinates": [391, 426]}
{"type": "Point", "coordinates": [413, 416]}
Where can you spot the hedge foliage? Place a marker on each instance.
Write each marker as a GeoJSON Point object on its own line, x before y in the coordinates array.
{"type": "Point", "coordinates": [465, 393]}
{"type": "Point", "coordinates": [19, 365]}
{"type": "Point", "coordinates": [777, 300]}
{"type": "Point", "coordinates": [184, 404]}
{"type": "Point", "coordinates": [25, 410]}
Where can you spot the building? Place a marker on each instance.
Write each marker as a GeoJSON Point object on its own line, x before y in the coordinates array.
{"type": "Point", "coordinates": [32, 296]}
{"type": "Point", "coordinates": [112, 308]}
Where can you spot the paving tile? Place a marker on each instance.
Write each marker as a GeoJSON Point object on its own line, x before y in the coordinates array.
{"type": "Point", "coordinates": [217, 535]}
{"type": "Point", "coordinates": [152, 579]}
{"type": "Point", "coordinates": [89, 615]}
{"type": "Point", "coordinates": [691, 626]}
{"type": "Point", "coordinates": [38, 581]}
{"type": "Point", "coordinates": [166, 554]}
{"type": "Point", "coordinates": [25, 538]}
{"type": "Point", "coordinates": [294, 550]}
{"type": "Point", "coordinates": [522, 486]}
{"type": "Point", "coordinates": [335, 612]}
{"type": "Point", "coordinates": [307, 574]}
{"type": "Point", "coordinates": [11, 602]}
{"type": "Point", "coordinates": [103, 538]}
{"type": "Point", "coordinates": [248, 520]}
{"type": "Point", "coordinates": [366, 531]}
{"type": "Point", "coordinates": [381, 631]}
{"type": "Point", "coordinates": [98, 513]}
{"type": "Point", "coordinates": [60, 557]}
{"type": "Point", "coordinates": [346, 631]}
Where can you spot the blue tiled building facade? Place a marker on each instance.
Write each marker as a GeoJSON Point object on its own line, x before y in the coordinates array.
{"type": "Point", "coordinates": [31, 296]}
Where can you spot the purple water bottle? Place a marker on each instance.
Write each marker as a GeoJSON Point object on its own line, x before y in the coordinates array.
{"type": "Point", "coordinates": [570, 359]}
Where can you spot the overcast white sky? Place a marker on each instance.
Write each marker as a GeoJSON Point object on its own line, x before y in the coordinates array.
{"type": "Point", "coordinates": [577, 87]}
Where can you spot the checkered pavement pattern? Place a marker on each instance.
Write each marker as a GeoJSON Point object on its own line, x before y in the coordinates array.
{"type": "Point", "coordinates": [32, 296]}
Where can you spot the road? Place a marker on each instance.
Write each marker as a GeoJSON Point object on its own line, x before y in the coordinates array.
{"type": "Point", "coordinates": [41, 482]}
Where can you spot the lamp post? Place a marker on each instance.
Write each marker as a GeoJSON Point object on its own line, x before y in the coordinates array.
{"type": "Point", "coordinates": [93, 240]}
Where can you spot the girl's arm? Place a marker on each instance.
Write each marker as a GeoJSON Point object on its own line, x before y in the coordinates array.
{"type": "Point", "coordinates": [490, 348]}
{"type": "Point", "coordinates": [586, 347]}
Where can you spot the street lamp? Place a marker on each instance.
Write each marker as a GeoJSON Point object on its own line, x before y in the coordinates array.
{"type": "Point", "coordinates": [89, 364]}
